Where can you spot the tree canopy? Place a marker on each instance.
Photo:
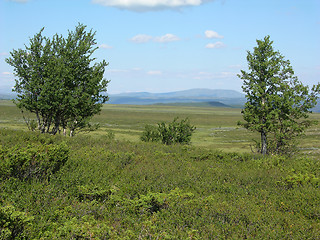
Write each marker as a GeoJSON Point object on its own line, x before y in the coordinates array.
{"type": "Point", "coordinates": [59, 80]}
{"type": "Point", "coordinates": [278, 104]}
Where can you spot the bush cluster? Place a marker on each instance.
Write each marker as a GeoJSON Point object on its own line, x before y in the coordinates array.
{"type": "Point", "coordinates": [174, 132]}
{"type": "Point", "coordinates": [33, 161]}
{"type": "Point", "coordinates": [110, 189]}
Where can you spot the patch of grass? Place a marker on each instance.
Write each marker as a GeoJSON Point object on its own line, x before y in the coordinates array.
{"type": "Point", "coordinates": [216, 127]}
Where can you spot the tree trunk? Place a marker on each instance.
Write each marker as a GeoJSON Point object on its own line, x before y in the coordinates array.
{"type": "Point", "coordinates": [263, 143]}
{"type": "Point", "coordinates": [38, 120]}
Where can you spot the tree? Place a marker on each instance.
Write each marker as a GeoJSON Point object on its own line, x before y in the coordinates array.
{"type": "Point", "coordinates": [277, 103]}
{"type": "Point", "coordinates": [58, 81]}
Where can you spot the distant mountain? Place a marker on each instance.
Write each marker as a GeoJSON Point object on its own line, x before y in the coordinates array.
{"type": "Point", "coordinates": [224, 97]}
{"type": "Point", "coordinates": [191, 97]}
{"type": "Point", "coordinates": [7, 95]}
{"type": "Point", "coordinates": [194, 93]}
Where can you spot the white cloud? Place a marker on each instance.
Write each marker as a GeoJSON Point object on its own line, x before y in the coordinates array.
{"type": "Point", "coordinates": [141, 38]}
{"type": "Point", "coordinates": [167, 38]}
{"type": "Point", "coordinates": [6, 73]}
{"type": "Point", "coordinates": [149, 5]}
{"type": "Point", "coordinates": [154, 72]}
{"type": "Point", "coordinates": [215, 45]}
{"type": "Point", "coordinates": [3, 54]}
{"type": "Point", "coordinates": [104, 46]}
{"type": "Point", "coordinates": [212, 34]}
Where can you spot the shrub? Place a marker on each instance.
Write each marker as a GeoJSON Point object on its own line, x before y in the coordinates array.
{"type": "Point", "coordinates": [150, 134]}
{"type": "Point", "coordinates": [32, 161]}
{"type": "Point", "coordinates": [174, 132]}
{"type": "Point", "coordinates": [93, 193]}
{"type": "Point", "coordinates": [13, 223]}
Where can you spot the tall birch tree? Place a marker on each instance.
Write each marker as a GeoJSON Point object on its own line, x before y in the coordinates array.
{"type": "Point", "coordinates": [59, 80]}
{"type": "Point", "coordinates": [278, 104]}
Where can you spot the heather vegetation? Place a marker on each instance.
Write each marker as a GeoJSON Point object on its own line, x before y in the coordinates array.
{"type": "Point", "coordinates": [109, 184]}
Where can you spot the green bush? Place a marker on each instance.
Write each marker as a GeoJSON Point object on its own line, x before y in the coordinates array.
{"type": "Point", "coordinates": [150, 134]}
{"type": "Point", "coordinates": [125, 190]}
{"type": "Point", "coordinates": [93, 193]}
{"type": "Point", "coordinates": [32, 161]}
{"type": "Point", "coordinates": [13, 223]}
{"type": "Point", "coordinates": [174, 132]}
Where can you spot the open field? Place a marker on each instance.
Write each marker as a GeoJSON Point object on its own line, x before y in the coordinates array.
{"type": "Point", "coordinates": [93, 186]}
{"type": "Point", "coordinates": [216, 127]}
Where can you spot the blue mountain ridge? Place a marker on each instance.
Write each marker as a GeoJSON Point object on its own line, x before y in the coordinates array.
{"type": "Point", "coordinates": [225, 97]}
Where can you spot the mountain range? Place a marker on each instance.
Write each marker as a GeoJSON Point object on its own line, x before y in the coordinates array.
{"type": "Point", "coordinates": [192, 97]}
{"type": "Point", "coordinates": [214, 97]}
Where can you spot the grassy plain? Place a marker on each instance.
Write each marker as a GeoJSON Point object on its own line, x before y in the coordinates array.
{"type": "Point", "coordinates": [123, 188]}
{"type": "Point", "coordinates": [216, 127]}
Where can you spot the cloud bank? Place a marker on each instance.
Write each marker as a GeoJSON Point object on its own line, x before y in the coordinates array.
{"type": "Point", "coordinates": [215, 45]}
{"type": "Point", "coordinates": [167, 38]}
{"type": "Point", "coordinates": [104, 46]}
{"type": "Point", "coordinates": [149, 5]}
{"type": "Point", "coordinates": [212, 34]}
{"type": "Point", "coordinates": [143, 38]}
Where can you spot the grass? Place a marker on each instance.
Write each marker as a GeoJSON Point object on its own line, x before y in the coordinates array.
{"type": "Point", "coordinates": [117, 187]}
{"type": "Point", "coordinates": [216, 127]}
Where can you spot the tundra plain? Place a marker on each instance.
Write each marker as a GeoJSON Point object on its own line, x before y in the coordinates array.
{"type": "Point", "coordinates": [107, 184]}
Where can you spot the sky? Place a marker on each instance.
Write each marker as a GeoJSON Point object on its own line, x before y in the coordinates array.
{"type": "Point", "coordinates": [171, 45]}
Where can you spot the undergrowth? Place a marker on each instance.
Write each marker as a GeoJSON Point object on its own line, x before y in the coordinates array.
{"type": "Point", "coordinates": [108, 189]}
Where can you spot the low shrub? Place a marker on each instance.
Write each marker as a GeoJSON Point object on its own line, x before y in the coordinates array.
{"type": "Point", "coordinates": [13, 223]}
{"type": "Point", "coordinates": [174, 132]}
{"type": "Point", "coordinates": [93, 193]}
{"type": "Point", "coordinates": [150, 134]}
{"type": "Point", "coordinates": [123, 190]}
{"type": "Point", "coordinates": [33, 161]}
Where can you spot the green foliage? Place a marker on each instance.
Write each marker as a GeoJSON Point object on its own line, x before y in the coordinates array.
{"type": "Point", "coordinates": [150, 134]}
{"type": "Point", "coordinates": [93, 193]}
{"type": "Point", "coordinates": [295, 179]}
{"type": "Point", "coordinates": [136, 190]}
{"type": "Point", "coordinates": [174, 132]}
{"type": "Point", "coordinates": [57, 80]}
{"type": "Point", "coordinates": [32, 161]}
{"type": "Point", "coordinates": [277, 103]}
{"type": "Point", "coordinates": [13, 223]}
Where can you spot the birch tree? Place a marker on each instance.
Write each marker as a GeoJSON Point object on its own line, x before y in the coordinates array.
{"type": "Point", "coordinates": [278, 104]}
{"type": "Point", "coordinates": [59, 80]}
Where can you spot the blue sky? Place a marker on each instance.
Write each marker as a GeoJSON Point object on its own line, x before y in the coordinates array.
{"type": "Point", "coordinates": [163, 45]}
